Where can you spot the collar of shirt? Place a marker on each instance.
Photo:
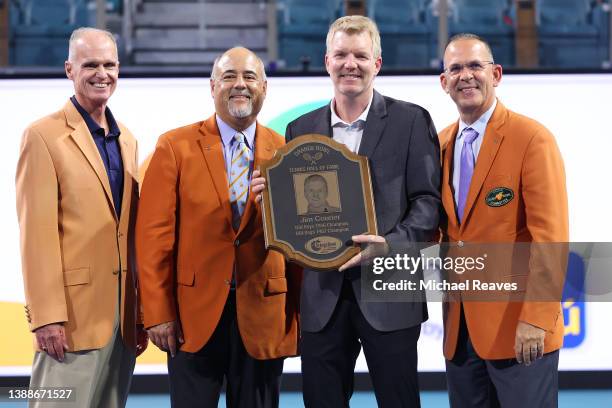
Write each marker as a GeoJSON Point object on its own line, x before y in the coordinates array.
{"type": "Point", "coordinates": [336, 121]}
{"type": "Point", "coordinates": [94, 128]}
{"type": "Point", "coordinates": [227, 133]}
{"type": "Point", "coordinates": [480, 125]}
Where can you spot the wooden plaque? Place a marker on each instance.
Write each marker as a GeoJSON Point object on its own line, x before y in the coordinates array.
{"type": "Point", "coordinates": [318, 195]}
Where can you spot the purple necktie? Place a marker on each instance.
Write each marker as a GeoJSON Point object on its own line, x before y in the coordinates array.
{"type": "Point", "coordinates": [467, 168]}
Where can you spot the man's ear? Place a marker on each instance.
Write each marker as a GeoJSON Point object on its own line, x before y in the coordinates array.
{"type": "Point", "coordinates": [378, 64]}
{"type": "Point", "coordinates": [68, 69]}
{"type": "Point", "coordinates": [497, 74]}
{"type": "Point", "coordinates": [444, 82]}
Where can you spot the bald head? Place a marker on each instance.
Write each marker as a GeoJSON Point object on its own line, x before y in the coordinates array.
{"type": "Point", "coordinates": [238, 53]}
{"type": "Point", "coordinates": [238, 85]}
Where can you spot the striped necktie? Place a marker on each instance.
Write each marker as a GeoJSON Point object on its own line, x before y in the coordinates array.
{"type": "Point", "coordinates": [239, 177]}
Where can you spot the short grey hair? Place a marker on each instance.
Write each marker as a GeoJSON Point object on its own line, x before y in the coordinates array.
{"type": "Point", "coordinates": [259, 61]}
{"type": "Point", "coordinates": [80, 32]}
{"type": "Point", "coordinates": [471, 36]}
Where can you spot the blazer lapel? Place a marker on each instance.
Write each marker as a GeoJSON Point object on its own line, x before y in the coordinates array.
{"type": "Point", "coordinates": [264, 150]}
{"type": "Point", "coordinates": [448, 196]}
{"type": "Point", "coordinates": [322, 124]}
{"type": "Point", "coordinates": [86, 144]}
{"type": "Point", "coordinates": [127, 153]}
{"type": "Point", "coordinates": [488, 151]}
{"type": "Point", "coordinates": [375, 124]}
{"type": "Point", "coordinates": [212, 149]}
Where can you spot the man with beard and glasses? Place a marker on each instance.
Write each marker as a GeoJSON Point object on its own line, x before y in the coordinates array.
{"type": "Point", "coordinates": [214, 298]}
{"type": "Point", "coordinates": [401, 144]}
{"type": "Point", "coordinates": [503, 183]}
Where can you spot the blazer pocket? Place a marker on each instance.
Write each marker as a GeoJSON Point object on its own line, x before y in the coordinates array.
{"type": "Point", "coordinates": [185, 277]}
{"type": "Point", "coordinates": [275, 286]}
{"type": "Point", "coordinates": [79, 276]}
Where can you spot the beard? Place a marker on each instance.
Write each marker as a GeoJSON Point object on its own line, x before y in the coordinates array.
{"type": "Point", "coordinates": [240, 111]}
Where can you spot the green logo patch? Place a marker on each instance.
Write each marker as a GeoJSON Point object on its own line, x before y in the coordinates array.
{"type": "Point", "coordinates": [499, 196]}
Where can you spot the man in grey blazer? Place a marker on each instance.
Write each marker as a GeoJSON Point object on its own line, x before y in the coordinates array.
{"type": "Point", "coordinates": [401, 144]}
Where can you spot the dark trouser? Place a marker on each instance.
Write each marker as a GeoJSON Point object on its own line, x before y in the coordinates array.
{"type": "Point", "coordinates": [475, 383]}
{"type": "Point", "coordinates": [196, 378]}
{"type": "Point", "coordinates": [328, 360]}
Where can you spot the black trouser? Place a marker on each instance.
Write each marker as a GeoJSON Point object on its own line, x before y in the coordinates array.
{"type": "Point", "coordinates": [477, 383]}
{"type": "Point", "coordinates": [328, 359]}
{"type": "Point", "coordinates": [196, 378]}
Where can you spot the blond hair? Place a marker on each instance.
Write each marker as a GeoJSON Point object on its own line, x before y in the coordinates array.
{"type": "Point", "coordinates": [356, 25]}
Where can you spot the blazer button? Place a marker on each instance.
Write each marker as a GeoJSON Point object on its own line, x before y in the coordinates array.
{"type": "Point", "coordinates": [115, 272]}
{"type": "Point", "coordinates": [237, 242]}
{"type": "Point", "coordinates": [227, 281]}
{"type": "Point", "coordinates": [460, 244]}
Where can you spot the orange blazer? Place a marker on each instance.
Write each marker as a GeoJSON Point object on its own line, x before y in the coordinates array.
{"type": "Point", "coordinates": [519, 154]}
{"type": "Point", "coordinates": [186, 247]}
{"type": "Point", "coordinates": [73, 245]}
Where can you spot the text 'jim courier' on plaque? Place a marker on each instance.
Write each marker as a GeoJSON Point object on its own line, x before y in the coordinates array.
{"type": "Point", "coordinates": [318, 195]}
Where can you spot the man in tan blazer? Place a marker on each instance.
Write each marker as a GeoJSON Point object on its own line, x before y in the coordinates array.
{"type": "Point", "coordinates": [503, 183]}
{"type": "Point", "coordinates": [214, 298]}
{"type": "Point", "coordinates": [76, 204]}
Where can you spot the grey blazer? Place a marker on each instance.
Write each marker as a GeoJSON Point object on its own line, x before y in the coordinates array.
{"type": "Point", "coordinates": [401, 144]}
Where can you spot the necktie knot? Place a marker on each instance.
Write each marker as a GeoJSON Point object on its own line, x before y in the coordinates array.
{"type": "Point", "coordinates": [239, 138]}
{"type": "Point", "coordinates": [469, 135]}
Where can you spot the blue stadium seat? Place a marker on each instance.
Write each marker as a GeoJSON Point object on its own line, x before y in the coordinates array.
{"type": "Point", "coordinates": [404, 35]}
{"type": "Point", "coordinates": [114, 5]}
{"type": "Point", "coordinates": [569, 33]}
{"type": "Point", "coordinates": [488, 19]}
{"type": "Point", "coordinates": [302, 28]}
{"type": "Point", "coordinates": [40, 30]}
{"type": "Point", "coordinates": [563, 14]}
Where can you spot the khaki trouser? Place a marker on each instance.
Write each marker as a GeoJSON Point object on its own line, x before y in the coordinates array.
{"type": "Point", "coordinates": [99, 378]}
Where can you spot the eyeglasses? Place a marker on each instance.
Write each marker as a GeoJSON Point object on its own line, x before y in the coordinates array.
{"type": "Point", "coordinates": [474, 66]}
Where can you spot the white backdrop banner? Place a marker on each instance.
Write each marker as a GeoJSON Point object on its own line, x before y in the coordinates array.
{"type": "Point", "coordinates": [576, 108]}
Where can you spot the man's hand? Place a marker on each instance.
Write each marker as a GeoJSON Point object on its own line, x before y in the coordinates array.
{"type": "Point", "coordinates": [52, 340]}
{"type": "Point", "coordinates": [142, 339]}
{"type": "Point", "coordinates": [375, 246]}
{"type": "Point", "coordinates": [529, 343]}
{"type": "Point", "coordinates": [166, 336]}
{"type": "Point", "coordinates": [258, 184]}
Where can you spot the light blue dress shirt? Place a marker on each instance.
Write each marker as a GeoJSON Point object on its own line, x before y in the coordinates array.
{"type": "Point", "coordinates": [227, 134]}
{"type": "Point", "coordinates": [480, 126]}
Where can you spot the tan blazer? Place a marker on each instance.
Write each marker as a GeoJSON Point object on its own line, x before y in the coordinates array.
{"type": "Point", "coordinates": [73, 246]}
{"type": "Point", "coordinates": [521, 155]}
{"type": "Point", "coordinates": [187, 248]}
